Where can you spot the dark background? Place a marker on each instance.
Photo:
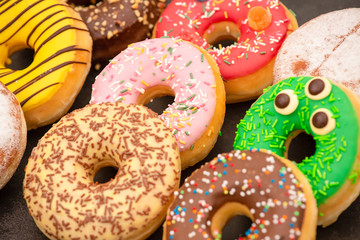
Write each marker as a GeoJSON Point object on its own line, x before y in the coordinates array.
{"type": "Point", "coordinates": [16, 223]}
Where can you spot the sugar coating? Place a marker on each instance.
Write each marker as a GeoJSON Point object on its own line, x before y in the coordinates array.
{"type": "Point", "coordinates": [326, 46]}
{"type": "Point", "coordinates": [9, 126]}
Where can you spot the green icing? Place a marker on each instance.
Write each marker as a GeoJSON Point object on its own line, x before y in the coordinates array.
{"type": "Point", "coordinates": [333, 161]}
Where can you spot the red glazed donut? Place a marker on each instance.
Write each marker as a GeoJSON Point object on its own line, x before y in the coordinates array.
{"type": "Point", "coordinates": [258, 29]}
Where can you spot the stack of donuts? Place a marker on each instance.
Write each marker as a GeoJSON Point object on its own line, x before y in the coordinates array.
{"type": "Point", "coordinates": [245, 82]}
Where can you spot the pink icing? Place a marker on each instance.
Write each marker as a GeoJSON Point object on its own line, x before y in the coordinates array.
{"type": "Point", "coordinates": [254, 49]}
{"type": "Point", "coordinates": [169, 62]}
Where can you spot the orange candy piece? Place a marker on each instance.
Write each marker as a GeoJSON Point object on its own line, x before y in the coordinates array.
{"type": "Point", "coordinates": [259, 18]}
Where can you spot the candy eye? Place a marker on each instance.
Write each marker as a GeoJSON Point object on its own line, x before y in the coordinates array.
{"type": "Point", "coordinates": [286, 102]}
{"type": "Point", "coordinates": [321, 121]}
{"type": "Point", "coordinates": [317, 88]}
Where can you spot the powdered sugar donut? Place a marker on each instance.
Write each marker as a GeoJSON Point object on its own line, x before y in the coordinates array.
{"type": "Point", "coordinates": [326, 46]}
{"type": "Point", "coordinates": [13, 134]}
{"type": "Point", "coordinates": [167, 66]}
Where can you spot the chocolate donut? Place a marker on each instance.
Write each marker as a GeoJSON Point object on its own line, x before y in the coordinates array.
{"type": "Point", "coordinates": [268, 189]}
{"type": "Point", "coordinates": [114, 24]}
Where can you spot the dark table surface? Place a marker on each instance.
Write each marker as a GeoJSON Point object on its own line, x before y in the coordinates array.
{"type": "Point", "coordinates": [16, 223]}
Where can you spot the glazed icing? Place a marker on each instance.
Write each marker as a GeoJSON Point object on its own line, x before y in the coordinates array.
{"type": "Point", "coordinates": [333, 162]}
{"type": "Point", "coordinates": [253, 50]}
{"type": "Point", "coordinates": [258, 180]}
{"type": "Point", "coordinates": [170, 63]}
{"type": "Point", "coordinates": [48, 28]}
{"type": "Point", "coordinates": [59, 186]}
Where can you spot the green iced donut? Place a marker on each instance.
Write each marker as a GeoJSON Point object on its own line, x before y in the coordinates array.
{"type": "Point", "coordinates": [325, 111]}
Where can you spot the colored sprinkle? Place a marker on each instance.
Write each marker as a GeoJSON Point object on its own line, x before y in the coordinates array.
{"type": "Point", "coordinates": [227, 62]}
{"type": "Point", "coordinates": [292, 12]}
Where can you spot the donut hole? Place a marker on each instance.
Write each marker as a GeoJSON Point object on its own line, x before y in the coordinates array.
{"type": "Point", "coordinates": [236, 227]}
{"type": "Point", "coordinates": [157, 98]}
{"type": "Point", "coordinates": [105, 174]}
{"type": "Point", "coordinates": [222, 34]}
{"type": "Point", "coordinates": [20, 59]}
{"type": "Point", "coordinates": [231, 220]}
{"type": "Point", "coordinates": [301, 145]}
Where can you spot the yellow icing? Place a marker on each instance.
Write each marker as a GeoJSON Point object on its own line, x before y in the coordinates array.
{"type": "Point", "coordinates": [25, 20]}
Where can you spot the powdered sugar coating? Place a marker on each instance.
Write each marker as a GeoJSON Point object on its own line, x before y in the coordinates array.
{"type": "Point", "coordinates": [326, 46]}
{"type": "Point", "coordinates": [10, 133]}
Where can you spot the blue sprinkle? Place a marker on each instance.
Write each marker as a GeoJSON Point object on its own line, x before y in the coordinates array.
{"type": "Point", "coordinates": [194, 191]}
{"type": "Point", "coordinates": [190, 220]}
{"type": "Point", "coordinates": [224, 172]}
{"type": "Point", "coordinates": [207, 193]}
{"type": "Point", "coordinates": [225, 165]}
{"type": "Point", "coordinates": [171, 237]}
{"type": "Point", "coordinates": [291, 224]}
{"type": "Point", "coordinates": [281, 174]}
{"type": "Point", "coordinates": [283, 180]}
{"type": "Point", "coordinates": [280, 186]}
{"type": "Point", "coordinates": [272, 180]}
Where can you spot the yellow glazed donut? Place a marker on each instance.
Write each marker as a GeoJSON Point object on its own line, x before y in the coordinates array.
{"type": "Point", "coordinates": [59, 186]}
{"type": "Point", "coordinates": [62, 52]}
{"type": "Point", "coordinates": [12, 134]}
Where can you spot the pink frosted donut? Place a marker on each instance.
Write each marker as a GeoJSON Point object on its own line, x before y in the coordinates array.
{"type": "Point", "coordinates": [166, 66]}
{"type": "Point", "coordinates": [257, 28]}
{"type": "Point", "coordinates": [326, 46]}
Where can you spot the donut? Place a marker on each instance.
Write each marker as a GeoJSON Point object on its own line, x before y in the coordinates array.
{"type": "Point", "coordinates": [330, 114]}
{"type": "Point", "coordinates": [59, 186]}
{"type": "Point", "coordinates": [166, 66]}
{"type": "Point", "coordinates": [268, 189]}
{"type": "Point", "coordinates": [256, 30]}
{"type": "Point", "coordinates": [13, 133]}
{"type": "Point", "coordinates": [114, 24]}
{"type": "Point", "coordinates": [326, 46]}
{"type": "Point", "coordinates": [62, 46]}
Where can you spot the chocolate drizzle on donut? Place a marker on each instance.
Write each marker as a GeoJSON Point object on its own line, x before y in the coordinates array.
{"type": "Point", "coordinates": [320, 120]}
{"type": "Point", "coordinates": [53, 25]}
{"type": "Point", "coordinates": [282, 100]}
{"type": "Point", "coordinates": [316, 86]}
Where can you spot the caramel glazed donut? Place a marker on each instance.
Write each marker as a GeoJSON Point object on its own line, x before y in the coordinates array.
{"type": "Point", "coordinates": [114, 24]}
{"type": "Point", "coordinates": [270, 190]}
{"type": "Point", "coordinates": [62, 53]}
{"type": "Point", "coordinates": [59, 186]}
{"type": "Point", "coordinates": [13, 134]}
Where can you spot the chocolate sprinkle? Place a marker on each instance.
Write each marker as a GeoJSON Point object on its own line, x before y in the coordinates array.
{"type": "Point", "coordinates": [282, 100]}
{"type": "Point", "coordinates": [320, 120]}
{"type": "Point", "coordinates": [316, 86]}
